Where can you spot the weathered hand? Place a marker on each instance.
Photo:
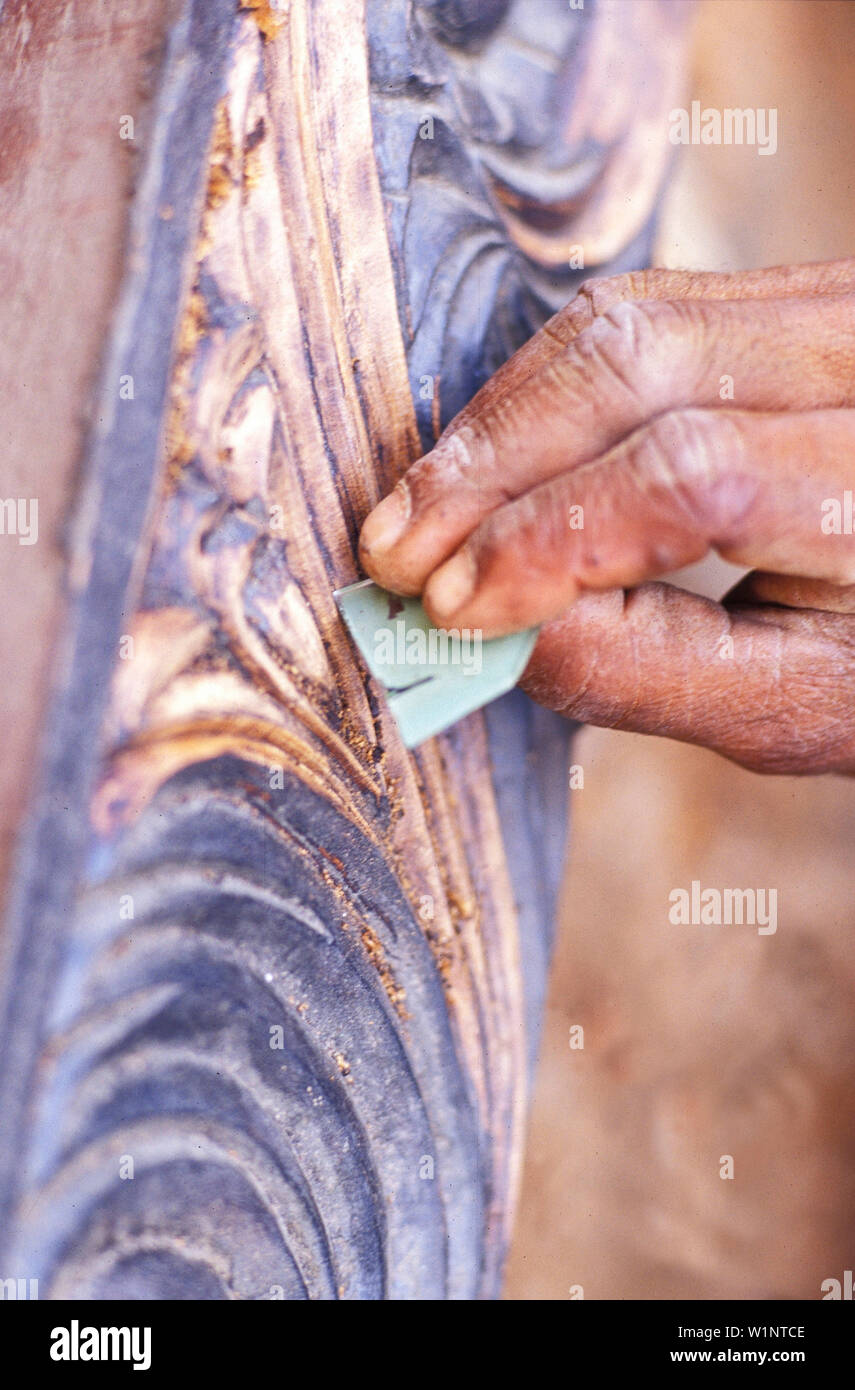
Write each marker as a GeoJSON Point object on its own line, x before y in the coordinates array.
{"type": "Point", "coordinates": [660, 415]}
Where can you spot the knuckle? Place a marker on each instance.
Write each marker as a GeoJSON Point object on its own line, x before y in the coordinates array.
{"type": "Point", "coordinates": [666, 345]}
{"type": "Point", "coordinates": [680, 451]}
{"type": "Point", "coordinates": [605, 291]}
{"type": "Point", "coordinates": [449, 468]}
{"type": "Point", "coordinates": [570, 321]}
{"type": "Point", "coordinates": [597, 295]}
{"type": "Point", "coordinates": [621, 343]}
{"type": "Point", "coordinates": [698, 457]}
{"type": "Point", "coordinates": [600, 292]}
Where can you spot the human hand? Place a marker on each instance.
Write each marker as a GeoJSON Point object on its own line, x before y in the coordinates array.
{"type": "Point", "coordinates": [658, 416]}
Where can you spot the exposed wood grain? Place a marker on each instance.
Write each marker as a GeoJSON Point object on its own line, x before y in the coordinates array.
{"type": "Point", "coordinates": [312, 1035]}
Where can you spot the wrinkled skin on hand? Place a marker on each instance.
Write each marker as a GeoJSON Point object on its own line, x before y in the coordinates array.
{"type": "Point", "coordinates": [681, 413]}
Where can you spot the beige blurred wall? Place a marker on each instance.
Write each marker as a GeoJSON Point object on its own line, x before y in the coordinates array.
{"type": "Point", "coordinates": [702, 1042]}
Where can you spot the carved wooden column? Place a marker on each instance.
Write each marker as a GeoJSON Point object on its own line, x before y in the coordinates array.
{"type": "Point", "coordinates": [272, 984]}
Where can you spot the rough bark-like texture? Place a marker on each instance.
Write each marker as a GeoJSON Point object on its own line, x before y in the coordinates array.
{"type": "Point", "coordinates": [273, 982]}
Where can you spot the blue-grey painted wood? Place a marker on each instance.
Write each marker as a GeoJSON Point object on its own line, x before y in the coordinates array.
{"type": "Point", "coordinates": [353, 1159]}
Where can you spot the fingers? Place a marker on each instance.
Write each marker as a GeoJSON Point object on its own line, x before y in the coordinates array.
{"type": "Point", "coordinates": [636, 361]}
{"type": "Point", "coordinates": [752, 486]}
{"type": "Point", "coordinates": [596, 297]}
{"type": "Point", "coordinates": [791, 591]}
{"type": "Point", "coordinates": [774, 690]}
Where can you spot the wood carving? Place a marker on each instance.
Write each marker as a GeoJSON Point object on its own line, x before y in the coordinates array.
{"type": "Point", "coordinates": [272, 985]}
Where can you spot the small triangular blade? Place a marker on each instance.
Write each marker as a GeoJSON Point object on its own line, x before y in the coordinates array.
{"type": "Point", "coordinates": [432, 676]}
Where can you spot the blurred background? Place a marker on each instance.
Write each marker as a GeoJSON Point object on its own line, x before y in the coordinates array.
{"type": "Point", "coordinates": [705, 1043]}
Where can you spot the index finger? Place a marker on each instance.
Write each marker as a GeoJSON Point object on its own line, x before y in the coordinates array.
{"type": "Point", "coordinates": [636, 361]}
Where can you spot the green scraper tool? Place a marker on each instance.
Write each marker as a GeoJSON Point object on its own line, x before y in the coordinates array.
{"type": "Point", "coordinates": [432, 677]}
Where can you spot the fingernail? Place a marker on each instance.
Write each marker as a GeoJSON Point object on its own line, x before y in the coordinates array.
{"type": "Point", "coordinates": [386, 524]}
{"type": "Point", "coordinates": [452, 584]}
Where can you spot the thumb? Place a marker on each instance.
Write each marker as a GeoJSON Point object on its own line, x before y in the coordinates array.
{"type": "Point", "coordinates": [771, 688]}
